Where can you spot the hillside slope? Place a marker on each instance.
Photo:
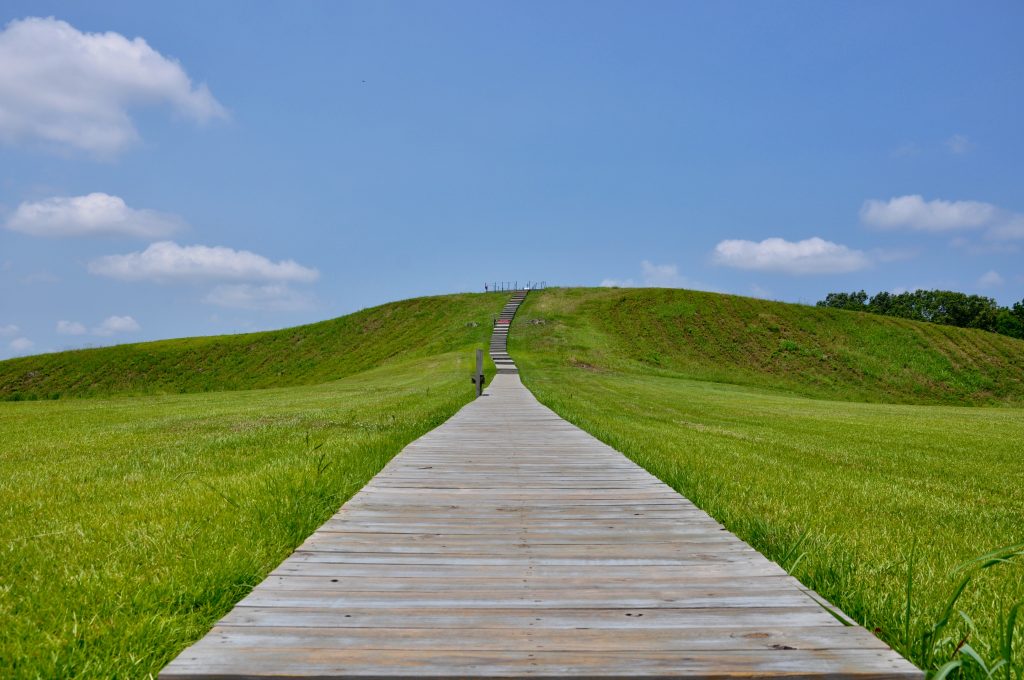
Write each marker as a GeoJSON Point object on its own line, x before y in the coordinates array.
{"type": "Point", "coordinates": [302, 355]}
{"type": "Point", "coordinates": [783, 422]}
{"type": "Point", "coordinates": [824, 353]}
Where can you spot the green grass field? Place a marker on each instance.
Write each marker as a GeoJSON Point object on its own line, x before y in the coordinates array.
{"type": "Point", "coordinates": [168, 478]}
{"type": "Point", "coordinates": [839, 492]}
{"type": "Point", "coordinates": [130, 524]}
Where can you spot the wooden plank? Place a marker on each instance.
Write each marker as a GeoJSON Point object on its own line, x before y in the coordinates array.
{"type": "Point", "coordinates": [510, 640]}
{"type": "Point", "coordinates": [509, 543]}
{"type": "Point", "coordinates": [538, 618]}
{"type": "Point", "coordinates": [297, 565]}
{"type": "Point", "coordinates": [505, 599]}
{"type": "Point", "coordinates": [524, 581]}
{"type": "Point", "coordinates": [315, 662]}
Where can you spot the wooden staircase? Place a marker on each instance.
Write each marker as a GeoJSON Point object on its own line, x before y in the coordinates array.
{"type": "Point", "coordinates": [499, 338]}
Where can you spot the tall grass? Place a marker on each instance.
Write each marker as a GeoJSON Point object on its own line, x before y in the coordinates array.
{"type": "Point", "coordinates": [128, 526]}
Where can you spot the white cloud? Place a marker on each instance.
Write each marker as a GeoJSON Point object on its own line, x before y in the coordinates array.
{"type": "Point", "coordinates": [275, 297]}
{"type": "Point", "coordinates": [89, 215]}
{"type": "Point", "coordinates": [958, 144]}
{"type": "Point", "coordinates": [71, 328]}
{"type": "Point", "coordinates": [913, 212]}
{"type": "Point", "coordinates": [21, 344]}
{"type": "Point", "coordinates": [116, 324]}
{"type": "Point", "coordinates": [8, 330]}
{"type": "Point", "coordinates": [990, 279]}
{"type": "Point", "coordinates": [810, 256]}
{"type": "Point", "coordinates": [66, 88]}
{"type": "Point", "coordinates": [167, 261]}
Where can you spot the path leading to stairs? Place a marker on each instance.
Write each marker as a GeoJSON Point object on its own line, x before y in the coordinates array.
{"type": "Point", "coordinates": [508, 542]}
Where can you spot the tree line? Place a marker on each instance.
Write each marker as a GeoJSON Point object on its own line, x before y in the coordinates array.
{"type": "Point", "coordinates": [937, 306]}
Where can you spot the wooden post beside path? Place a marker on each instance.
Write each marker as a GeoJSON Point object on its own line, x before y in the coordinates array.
{"type": "Point", "coordinates": [478, 377]}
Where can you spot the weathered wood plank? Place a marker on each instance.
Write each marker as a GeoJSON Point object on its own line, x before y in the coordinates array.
{"type": "Point", "coordinates": [576, 640]}
{"type": "Point", "coordinates": [505, 599]}
{"type": "Point", "coordinates": [539, 618]}
{"type": "Point", "coordinates": [329, 663]}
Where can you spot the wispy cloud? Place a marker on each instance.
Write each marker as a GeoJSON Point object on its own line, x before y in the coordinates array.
{"type": "Point", "coordinates": [167, 261]}
{"type": "Point", "coordinates": [21, 345]}
{"type": "Point", "coordinates": [112, 325]}
{"type": "Point", "coordinates": [8, 330]}
{"type": "Point", "coordinates": [274, 297]}
{"type": "Point", "coordinates": [661, 275]}
{"type": "Point", "coordinates": [809, 256]}
{"type": "Point", "coordinates": [618, 283]}
{"type": "Point", "coordinates": [40, 277]}
{"type": "Point", "coordinates": [65, 327]}
{"type": "Point", "coordinates": [906, 150]}
{"type": "Point", "coordinates": [90, 215]}
{"type": "Point", "coordinates": [991, 279]}
{"type": "Point", "coordinates": [1010, 228]}
{"type": "Point", "coordinates": [656, 276]}
{"type": "Point", "coordinates": [73, 90]}
{"type": "Point", "coordinates": [958, 144]}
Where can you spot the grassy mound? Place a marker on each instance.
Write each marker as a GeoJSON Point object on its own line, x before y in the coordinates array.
{"type": "Point", "coordinates": [827, 353]}
{"type": "Point", "coordinates": [303, 355]}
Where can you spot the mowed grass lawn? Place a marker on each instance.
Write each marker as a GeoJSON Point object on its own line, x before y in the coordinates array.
{"type": "Point", "coordinates": [839, 492]}
{"type": "Point", "coordinates": [128, 526]}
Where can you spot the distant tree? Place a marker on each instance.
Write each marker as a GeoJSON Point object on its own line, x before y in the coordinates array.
{"type": "Point", "coordinates": [1011, 320]}
{"type": "Point", "coordinates": [1010, 324]}
{"type": "Point", "coordinates": [946, 307]}
{"type": "Point", "coordinates": [883, 303]}
{"type": "Point", "coordinates": [1018, 310]}
{"type": "Point", "coordinates": [855, 301]}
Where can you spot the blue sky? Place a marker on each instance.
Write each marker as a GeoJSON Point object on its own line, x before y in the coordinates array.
{"type": "Point", "coordinates": [199, 168]}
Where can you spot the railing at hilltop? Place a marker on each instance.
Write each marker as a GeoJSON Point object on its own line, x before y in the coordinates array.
{"type": "Point", "coordinates": [500, 286]}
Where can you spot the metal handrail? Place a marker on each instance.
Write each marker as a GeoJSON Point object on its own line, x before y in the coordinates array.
{"type": "Point", "coordinates": [506, 286]}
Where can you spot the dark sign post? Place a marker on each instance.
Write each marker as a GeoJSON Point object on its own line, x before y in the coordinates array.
{"type": "Point", "coordinates": [478, 377]}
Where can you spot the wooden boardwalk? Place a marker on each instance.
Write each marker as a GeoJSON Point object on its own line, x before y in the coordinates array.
{"type": "Point", "coordinates": [507, 542]}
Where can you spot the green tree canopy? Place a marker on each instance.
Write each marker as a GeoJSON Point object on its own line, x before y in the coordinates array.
{"type": "Point", "coordinates": [947, 307]}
